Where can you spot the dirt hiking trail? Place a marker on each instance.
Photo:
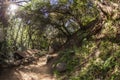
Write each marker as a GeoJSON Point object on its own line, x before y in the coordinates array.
{"type": "Point", "coordinates": [38, 70]}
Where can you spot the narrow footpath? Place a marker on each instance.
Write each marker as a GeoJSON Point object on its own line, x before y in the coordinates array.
{"type": "Point", "coordinates": [37, 70]}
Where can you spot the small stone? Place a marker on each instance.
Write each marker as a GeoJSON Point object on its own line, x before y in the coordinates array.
{"type": "Point", "coordinates": [97, 79]}
{"type": "Point", "coordinates": [61, 67]}
{"type": "Point", "coordinates": [51, 50]}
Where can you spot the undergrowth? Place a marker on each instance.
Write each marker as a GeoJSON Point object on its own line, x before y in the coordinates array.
{"type": "Point", "coordinates": [96, 59]}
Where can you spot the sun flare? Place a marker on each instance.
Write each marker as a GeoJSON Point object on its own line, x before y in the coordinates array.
{"type": "Point", "coordinates": [12, 9]}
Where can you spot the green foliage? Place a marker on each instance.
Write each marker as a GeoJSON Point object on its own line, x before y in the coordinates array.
{"type": "Point", "coordinates": [87, 47]}
{"type": "Point", "coordinates": [39, 24]}
{"type": "Point", "coordinates": [68, 56]}
{"type": "Point", "coordinates": [109, 29]}
{"type": "Point", "coordinates": [105, 67]}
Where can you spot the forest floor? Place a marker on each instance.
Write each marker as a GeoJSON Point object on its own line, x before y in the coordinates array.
{"type": "Point", "coordinates": [37, 70]}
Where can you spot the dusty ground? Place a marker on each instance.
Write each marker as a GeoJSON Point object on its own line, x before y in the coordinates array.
{"type": "Point", "coordinates": [33, 71]}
